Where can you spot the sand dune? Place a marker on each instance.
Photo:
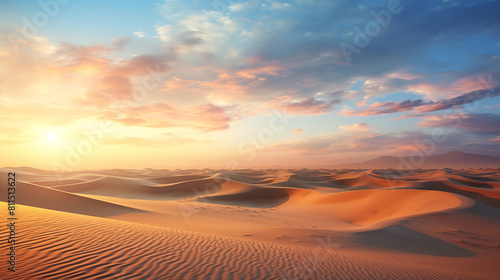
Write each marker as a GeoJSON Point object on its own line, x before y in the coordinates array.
{"type": "Point", "coordinates": [39, 196]}
{"type": "Point", "coordinates": [261, 197]}
{"type": "Point", "coordinates": [140, 189]}
{"type": "Point", "coordinates": [53, 183]}
{"type": "Point", "coordinates": [258, 224]}
{"type": "Point", "coordinates": [68, 246]}
{"type": "Point", "coordinates": [369, 207]}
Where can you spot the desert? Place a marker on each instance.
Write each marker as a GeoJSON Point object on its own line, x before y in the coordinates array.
{"type": "Point", "coordinates": [256, 224]}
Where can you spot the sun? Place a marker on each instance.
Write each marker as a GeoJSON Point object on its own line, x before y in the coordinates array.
{"type": "Point", "coordinates": [53, 137]}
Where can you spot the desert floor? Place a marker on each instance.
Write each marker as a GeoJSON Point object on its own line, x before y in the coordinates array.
{"type": "Point", "coordinates": [254, 224]}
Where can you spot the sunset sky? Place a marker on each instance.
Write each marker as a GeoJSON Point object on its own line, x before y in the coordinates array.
{"type": "Point", "coordinates": [194, 84]}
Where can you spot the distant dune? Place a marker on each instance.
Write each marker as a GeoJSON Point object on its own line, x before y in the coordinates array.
{"type": "Point", "coordinates": [454, 160]}
{"type": "Point", "coordinates": [256, 224]}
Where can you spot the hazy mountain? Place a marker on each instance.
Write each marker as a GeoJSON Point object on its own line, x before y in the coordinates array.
{"type": "Point", "coordinates": [453, 159]}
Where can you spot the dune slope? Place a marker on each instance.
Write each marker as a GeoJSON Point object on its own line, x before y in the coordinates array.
{"type": "Point", "coordinates": [57, 245]}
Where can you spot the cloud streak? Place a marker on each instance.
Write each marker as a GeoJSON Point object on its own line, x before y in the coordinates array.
{"type": "Point", "coordinates": [421, 106]}
{"type": "Point", "coordinates": [360, 139]}
{"type": "Point", "coordinates": [203, 118]}
{"type": "Point", "coordinates": [308, 106]}
{"type": "Point", "coordinates": [480, 124]}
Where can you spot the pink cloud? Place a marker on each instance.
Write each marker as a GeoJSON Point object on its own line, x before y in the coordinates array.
{"type": "Point", "coordinates": [85, 59]}
{"type": "Point", "coordinates": [226, 84]}
{"type": "Point", "coordinates": [353, 141]}
{"type": "Point", "coordinates": [487, 124]}
{"type": "Point", "coordinates": [108, 80]}
{"type": "Point", "coordinates": [432, 86]}
{"type": "Point", "coordinates": [210, 117]}
{"type": "Point", "coordinates": [251, 73]}
{"type": "Point", "coordinates": [204, 118]}
{"type": "Point", "coordinates": [355, 127]}
{"type": "Point", "coordinates": [421, 106]}
{"type": "Point", "coordinates": [378, 108]}
{"type": "Point", "coordinates": [167, 139]}
{"type": "Point", "coordinates": [355, 138]}
{"type": "Point", "coordinates": [309, 82]}
{"type": "Point", "coordinates": [361, 103]}
{"type": "Point", "coordinates": [175, 84]}
{"type": "Point", "coordinates": [466, 84]}
{"type": "Point", "coordinates": [107, 90]}
{"type": "Point", "coordinates": [308, 106]}
{"type": "Point", "coordinates": [404, 76]}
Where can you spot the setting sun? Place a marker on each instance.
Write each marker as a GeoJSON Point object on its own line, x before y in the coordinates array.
{"type": "Point", "coordinates": [53, 137]}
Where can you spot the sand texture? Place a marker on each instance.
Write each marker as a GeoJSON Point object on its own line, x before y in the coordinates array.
{"type": "Point", "coordinates": [255, 224]}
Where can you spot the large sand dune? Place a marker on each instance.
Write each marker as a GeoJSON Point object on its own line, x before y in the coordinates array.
{"type": "Point", "coordinates": [256, 224]}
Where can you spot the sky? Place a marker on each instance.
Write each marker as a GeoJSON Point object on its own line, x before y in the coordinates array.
{"type": "Point", "coordinates": [245, 84]}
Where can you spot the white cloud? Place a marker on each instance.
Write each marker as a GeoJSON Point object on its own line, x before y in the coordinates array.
{"type": "Point", "coordinates": [140, 34]}
{"type": "Point", "coordinates": [279, 6]}
{"type": "Point", "coordinates": [165, 33]}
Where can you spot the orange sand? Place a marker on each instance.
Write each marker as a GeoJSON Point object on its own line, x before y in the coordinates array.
{"type": "Point", "coordinates": [255, 224]}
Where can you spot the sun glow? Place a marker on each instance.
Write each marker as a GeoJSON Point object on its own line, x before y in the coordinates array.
{"type": "Point", "coordinates": [53, 137]}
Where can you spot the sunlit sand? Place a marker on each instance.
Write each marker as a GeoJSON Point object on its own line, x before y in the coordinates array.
{"type": "Point", "coordinates": [257, 224]}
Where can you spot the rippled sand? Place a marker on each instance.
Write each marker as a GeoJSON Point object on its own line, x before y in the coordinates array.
{"type": "Point", "coordinates": [256, 224]}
